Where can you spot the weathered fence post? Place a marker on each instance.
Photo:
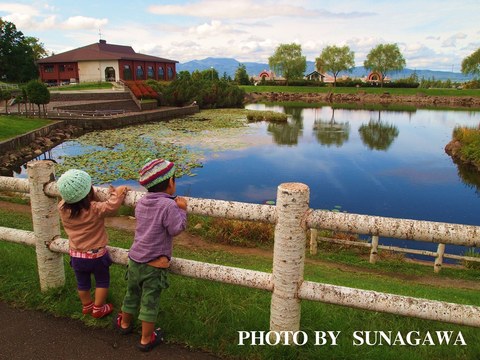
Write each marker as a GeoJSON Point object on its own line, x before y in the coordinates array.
{"type": "Point", "coordinates": [46, 224]}
{"type": "Point", "coordinates": [374, 250]}
{"type": "Point", "coordinates": [439, 259]}
{"type": "Point", "coordinates": [313, 242]}
{"type": "Point", "coordinates": [289, 256]}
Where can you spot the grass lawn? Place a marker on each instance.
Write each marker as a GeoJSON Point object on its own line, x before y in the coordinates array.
{"type": "Point", "coordinates": [352, 90]}
{"type": "Point", "coordinates": [83, 86]}
{"type": "Point", "coordinates": [208, 315]}
{"type": "Point", "coordinates": [11, 126]}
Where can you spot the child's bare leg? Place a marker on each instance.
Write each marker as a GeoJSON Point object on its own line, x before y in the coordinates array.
{"type": "Point", "coordinates": [85, 296]}
{"type": "Point", "coordinates": [126, 320]}
{"type": "Point", "coordinates": [100, 296]}
{"type": "Point", "coordinates": [147, 331]}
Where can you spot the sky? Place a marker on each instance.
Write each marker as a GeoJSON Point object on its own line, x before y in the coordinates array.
{"type": "Point", "coordinates": [431, 34]}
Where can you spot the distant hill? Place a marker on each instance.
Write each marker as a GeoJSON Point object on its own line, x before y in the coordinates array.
{"type": "Point", "coordinates": [229, 66]}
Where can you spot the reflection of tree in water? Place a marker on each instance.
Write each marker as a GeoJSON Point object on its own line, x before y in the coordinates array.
{"type": "Point", "coordinates": [287, 133]}
{"type": "Point", "coordinates": [469, 175]}
{"type": "Point", "coordinates": [296, 113]}
{"type": "Point", "coordinates": [377, 135]}
{"type": "Point", "coordinates": [330, 132]}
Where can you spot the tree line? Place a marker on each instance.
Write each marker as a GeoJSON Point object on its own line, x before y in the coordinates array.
{"type": "Point", "coordinates": [289, 62]}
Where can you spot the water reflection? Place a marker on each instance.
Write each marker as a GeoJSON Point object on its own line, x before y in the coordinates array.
{"type": "Point", "coordinates": [469, 175]}
{"type": "Point", "coordinates": [377, 135]}
{"type": "Point", "coordinates": [289, 132]}
{"type": "Point", "coordinates": [329, 132]}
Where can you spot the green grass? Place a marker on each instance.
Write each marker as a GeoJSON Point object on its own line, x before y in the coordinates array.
{"type": "Point", "coordinates": [12, 126]}
{"type": "Point", "coordinates": [83, 86]}
{"type": "Point", "coordinates": [207, 315]}
{"type": "Point", "coordinates": [353, 90]}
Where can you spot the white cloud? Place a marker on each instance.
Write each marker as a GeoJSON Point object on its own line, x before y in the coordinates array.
{"type": "Point", "coordinates": [83, 22]}
{"type": "Point", "coordinates": [452, 40]}
{"type": "Point", "coordinates": [13, 8]}
{"type": "Point", "coordinates": [249, 9]}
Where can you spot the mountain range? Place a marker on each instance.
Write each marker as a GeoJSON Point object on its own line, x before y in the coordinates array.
{"type": "Point", "coordinates": [228, 66]}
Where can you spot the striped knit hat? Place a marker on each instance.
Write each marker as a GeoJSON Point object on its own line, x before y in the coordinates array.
{"type": "Point", "coordinates": [156, 171]}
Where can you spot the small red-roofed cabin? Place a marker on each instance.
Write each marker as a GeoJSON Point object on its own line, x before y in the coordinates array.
{"type": "Point", "coordinates": [101, 62]}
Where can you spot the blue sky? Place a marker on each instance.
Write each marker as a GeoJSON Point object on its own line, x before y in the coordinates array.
{"type": "Point", "coordinates": [431, 34]}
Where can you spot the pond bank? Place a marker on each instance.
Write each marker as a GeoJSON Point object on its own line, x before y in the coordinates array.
{"type": "Point", "coordinates": [361, 97]}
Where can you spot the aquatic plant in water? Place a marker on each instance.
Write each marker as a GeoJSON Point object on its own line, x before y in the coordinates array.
{"type": "Point", "coordinates": [118, 154]}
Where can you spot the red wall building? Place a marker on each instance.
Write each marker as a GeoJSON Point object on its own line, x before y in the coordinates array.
{"type": "Point", "coordinates": [104, 62]}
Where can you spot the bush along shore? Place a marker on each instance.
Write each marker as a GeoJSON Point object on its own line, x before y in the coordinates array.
{"type": "Point", "coordinates": [361, 97]}
{"type": "Point", "coordinates": [464, 148]}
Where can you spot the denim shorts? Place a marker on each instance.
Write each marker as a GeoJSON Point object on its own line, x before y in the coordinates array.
{"type": "Point", "coordinates": [84, 268]}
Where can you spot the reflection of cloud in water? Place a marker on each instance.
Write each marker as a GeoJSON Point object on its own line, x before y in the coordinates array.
{"type": "Point", "coordinates": [423, 174]}
{"type": "Point", "coordinates": [259, 194]}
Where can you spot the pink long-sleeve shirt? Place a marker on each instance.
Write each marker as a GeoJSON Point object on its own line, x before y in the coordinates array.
{"type": "Point", "coordinates": [87, 230]}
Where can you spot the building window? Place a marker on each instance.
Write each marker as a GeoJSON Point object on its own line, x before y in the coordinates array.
{"type": "Point", "coordinates": [150, 72]}
{"type": "Point", "coordinates": [61, 68]}
{"type": "Point", "coordinates": [48, 68]}
{"type": "Point", "coordinates": [127, 72]}
{"type": "Point", "coordinates": [140, 72]}
{"type": "Point", "coordinates": [170, 73]}
{"type": "Point", "coordinates": [161, 73]}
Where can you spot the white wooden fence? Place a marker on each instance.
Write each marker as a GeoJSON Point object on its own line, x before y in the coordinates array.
{"type": "Point", "coordinates": [291, 216]}
{"type": "Point", "coordinates": [439, 255]}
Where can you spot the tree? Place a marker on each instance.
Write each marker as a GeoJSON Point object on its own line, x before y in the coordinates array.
{"type": "Point", "coordinates": [38, 94]}
{"type": "Point", "coordinates": [471, 64]}
{"type": "Point", "coordinates": [241, 76]}
{"type": "Point", "coordinates": [335, 59]}
{"type": "Point", "coordinates": [384, 58]}
{"type": "Point", "coordinates": [17, 57]}
{"type": "Point", "coordinates": [5, 95]}
{"type": "Point", "coordinates": [37, 47]}
{"type": "Point", "coordinates": [288, 61]}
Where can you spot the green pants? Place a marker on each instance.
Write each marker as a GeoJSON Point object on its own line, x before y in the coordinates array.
{"type": "Point", "coordinates": [144, 286]}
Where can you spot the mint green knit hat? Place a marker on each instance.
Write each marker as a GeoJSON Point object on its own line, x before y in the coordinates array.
{"type": "Point", "coordinates": [74, 185]}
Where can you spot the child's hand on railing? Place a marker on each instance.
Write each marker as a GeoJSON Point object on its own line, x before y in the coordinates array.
{"type": "Point", "coordinates": [181, 202]}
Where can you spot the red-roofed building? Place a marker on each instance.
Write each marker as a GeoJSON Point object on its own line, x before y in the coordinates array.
{"type": "Point", "coordinates": [104, 62]}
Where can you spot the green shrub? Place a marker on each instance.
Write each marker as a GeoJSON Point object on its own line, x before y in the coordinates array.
{"type": "Point", "coordinates": [208, 94]}
{"type": "Point", "coordinates": [471, 264]}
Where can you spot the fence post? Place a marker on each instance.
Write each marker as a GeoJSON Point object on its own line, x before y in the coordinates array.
{"type": "Point", "coordinates": [288, 256]}
{"type": "Point", "coordinates": [313, 242]}
{"type": "Point", "coordinates": [46, 224]}
{"type": "Point", "coordinates": [374, 249]}
{"type": "Point", "coordinates": [439, 259]}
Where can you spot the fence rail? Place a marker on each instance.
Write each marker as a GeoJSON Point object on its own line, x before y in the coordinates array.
{"type": "Point", "coordinates": [291, 217]}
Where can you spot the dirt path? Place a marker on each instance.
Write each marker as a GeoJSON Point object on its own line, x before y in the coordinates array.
{"type": "Point", "coordinates": [196, 243]}
{"type": "Point", "coordinates": [29, 334]}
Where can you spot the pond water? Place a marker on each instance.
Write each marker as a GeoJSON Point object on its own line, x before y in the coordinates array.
{"type": "Point", "coordinates": [385, 163]}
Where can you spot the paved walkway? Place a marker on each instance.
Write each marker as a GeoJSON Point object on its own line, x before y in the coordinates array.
{"type": "Point", "coordinates": [28, 335]}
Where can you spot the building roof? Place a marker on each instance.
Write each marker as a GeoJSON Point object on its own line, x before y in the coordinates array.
{"type": "Point", "coordinates": [101, 51]}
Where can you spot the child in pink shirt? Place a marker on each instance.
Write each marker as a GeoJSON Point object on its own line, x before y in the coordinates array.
{"type": "Point", "coordinates": [83, 215]}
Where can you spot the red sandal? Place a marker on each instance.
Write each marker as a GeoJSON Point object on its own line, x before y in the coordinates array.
{"type": "Point", "coordinates": [101, 311]}
{"type": "Point", "coordinates": [87, 309]}
{"type": "Point", "coordinates": [157, 338]}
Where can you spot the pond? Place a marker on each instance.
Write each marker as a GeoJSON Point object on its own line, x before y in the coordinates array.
{"type": "Point", "coordinates": [385, 163]}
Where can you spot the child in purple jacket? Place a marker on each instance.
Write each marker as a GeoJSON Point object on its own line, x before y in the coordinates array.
{"type": "Point", "coordinates": [160, 216]}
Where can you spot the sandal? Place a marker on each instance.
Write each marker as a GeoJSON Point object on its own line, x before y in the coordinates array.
{"type": "Point", "coordinates": [101, 311]}
{"type": "Point", "coordinates": [157, 338]}
{"type": "Point", "coordinates": [87, 309]}
{"type": "Point", "coordinates": [117, 323]}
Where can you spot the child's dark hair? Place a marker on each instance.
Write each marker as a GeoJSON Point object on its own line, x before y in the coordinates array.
{"type": "Point", "coordinates": [77, 207]}
{"type": "Point", "coordinates": [162, 186]}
